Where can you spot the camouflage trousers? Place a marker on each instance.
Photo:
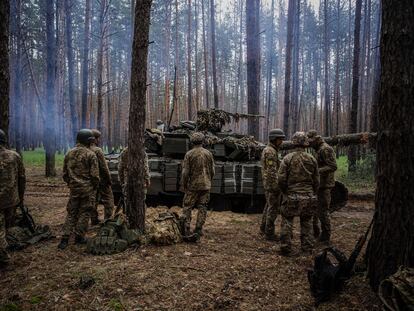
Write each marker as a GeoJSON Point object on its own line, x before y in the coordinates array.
{"type": "Point", "coordinates": [322, 214]}
{"type": "Point", "coordinates": [199, 200]}
{"type": "Point", "coordinates": [270, 212]}
{"type": "Point", "coordinates": [306, 238]}
{"type": "Point", "coordinates": [106, 196]}
{"type": "Point", "coordinates": [78, 213]}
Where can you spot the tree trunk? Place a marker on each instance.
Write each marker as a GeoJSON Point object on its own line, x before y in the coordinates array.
{"type": "Point", "coordinates": [213, 52]}
{"type": "Point", "coordinates": [295, 67]}
{"type": "Point", "coordinates": [253, 64]}
{"type": "Point", "coordinates": [71, 69]}
{"type": "Point", "coordinates": [288, 66]}
{"type": "Point", "coordinates": [190, 86]}
{"type": "Point", "coordinates": [136, 158]}
{"type": "Point", "coordinates": [269, 69]}
{"type": "Point", "coordinates": [353, 121]}
{"type": "Point", "coordinates": [392, 241]}
{"type": "Point", "coordinates": [166, 109]}
{"type": "Point", "coordinates": [327, 96]}
{"type": "Point", "coordinates": [100, 64]}
{"type": "Point", "coordinates": [4, 65]}
{"type": "Point", "coordinates": [50, 126]}
{"type": "Point", "coordinates": [377, 75]}
{"type": "Point", "coordinates": [206, 84]}
{"type": "Point", "coordinates": [17, 99]}
{"type": "Point", "coordinates": [85, 64]}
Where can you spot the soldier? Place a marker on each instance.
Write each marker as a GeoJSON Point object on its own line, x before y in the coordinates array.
{"type": "Point", "coordinates": [123, 170]}
{"type": "Point", "coordinates": [12, 187]}
{"type": "Point", "coordinates": [298, 179]}
{"type": "Point", "coordinates": [81, 173]}
{"type": "Point", "coordinates": [197, 174]}
{"type": "Point", "coordinates": [105, 190]}
{"type": "Point", "coordinates": [270, 165]}
{"type": "Point", "coordinates": [160, 126]}
{"type": "Point", "coordinates": [325, 155]}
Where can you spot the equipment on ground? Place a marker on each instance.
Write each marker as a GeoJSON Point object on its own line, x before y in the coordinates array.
{"type": "Point", "coordinates": [327, 278]}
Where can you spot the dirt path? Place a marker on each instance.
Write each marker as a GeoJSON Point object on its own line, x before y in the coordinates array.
{"type": "Point", "coordinates": [232, 268]}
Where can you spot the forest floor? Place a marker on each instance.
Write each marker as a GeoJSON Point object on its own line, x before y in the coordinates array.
{"type": "Point", "coordinates": [231, 268]}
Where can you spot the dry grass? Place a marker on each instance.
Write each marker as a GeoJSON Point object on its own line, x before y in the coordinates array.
{"type": "Point", "coordinates": [232, 268]}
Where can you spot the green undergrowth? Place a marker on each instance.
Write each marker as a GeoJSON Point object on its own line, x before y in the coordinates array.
{"type": "Point", "coordinates": [363, 179]}
{"type": "Point", "coordinates": [36, 158]}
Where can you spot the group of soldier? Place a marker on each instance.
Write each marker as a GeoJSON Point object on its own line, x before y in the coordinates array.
{"type": "Point", "coordinates": [297, 186]}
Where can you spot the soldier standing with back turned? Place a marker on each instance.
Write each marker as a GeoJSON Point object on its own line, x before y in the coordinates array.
{"type": "Point", "coordinates": [12, 187]}
{"type": "Point", "coordinates": [325, 155]}
{"type": "Point", "coordinates": [81, 173]}
{"type": "Point", "coordinates": [105, 190]}
{"type": "Point", "coordinates": [270, 165]}
{"type": "Point", "coordinates": [197, 173]}
{"type": "Point", "coordinates": [298, 179]}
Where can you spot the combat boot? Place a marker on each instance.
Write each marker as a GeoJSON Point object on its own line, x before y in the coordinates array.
{"type": "Point", "coordinates": [80, 240]}
{"type": "Point", "coordinates": [198, 231]}
{"type": "Point", "coordinates": [4, 259]}
{"type": "Point", "coordinates": [63, 242]}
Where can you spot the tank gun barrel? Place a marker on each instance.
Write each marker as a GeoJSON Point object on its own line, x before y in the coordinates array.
{"type": "Point", "coordinates": [341, 140]}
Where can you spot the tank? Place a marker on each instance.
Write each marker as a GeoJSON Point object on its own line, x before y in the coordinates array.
{"type": "Point", "coordinates": [237, 184]}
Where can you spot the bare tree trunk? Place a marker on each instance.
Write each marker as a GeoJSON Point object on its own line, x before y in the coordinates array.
{"type": "Point", "coordinates": [4, 65]}
{"type": "Point", "coordinates": [189, 74]}
{"type": "Point", "coordinates": [392, 241]}
{"type": "Point", "coordinates": [136, 157]}
{"type": "Point", "coordinates": [353, 121]}
{"type": "Point", "coordinates": [71, 69]}
{"type": "Point", "coordinates": [50, 126]}
{"type": "Point", "coordinates": [85, 64]}
{"type": "Point", "coordinates": [288, 65]}
{"type": "Point", "coordinates": [167, 62]}
{"type": "Point", "coordinates": [100, 63]}
{"type": "Point", "coordinates": [253, 64]}
{"type": "Point", "coordinates": [295, 76]}
{"type": "Point", "coordinates": [213, 51]}
{"type": "Point", "coordinates": [269, 68]}
{"type": "Point", "coordinates": [326, 70]}
{"type": "Point", "coordinates": [337, 87]}
{"type": "Point", "coordinates": [206, 83]}
{"type": "Point", "coordinates": [377, 74]}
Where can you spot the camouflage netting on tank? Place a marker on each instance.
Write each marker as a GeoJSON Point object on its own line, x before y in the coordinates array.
{"type": "Point", "coordinates": [213, 120]}
{"type": "Point", "coordinates": [246, 144]}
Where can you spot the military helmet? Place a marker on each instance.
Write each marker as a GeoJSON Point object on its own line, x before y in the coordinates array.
{"type": "Point", "coordinates": [276, 133]}
{"type": "Point", "coordinates": [159, 122]}
{"type": "Point", "coordinates": [96, 133]}
{"type": "Point", "coordinates": [85, 137]}
{"type": "Point", "coordinates": [300, 139]}
{"type": "Point", "coordinates": [197, 138]}
{"type": "Point", "coordinates": [3, 137]}
{"type": "Point", "coordinates": [313, 136]}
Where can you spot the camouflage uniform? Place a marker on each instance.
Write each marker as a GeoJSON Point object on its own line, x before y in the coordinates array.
{"type": "Point", "coordinates": [197, 173]}
{"type": "Point", "coordinates": [298, 179]}
{"type": "Point", "coordinates": [81, 173]}
{"type": "Point", "coordinates": [270, 165]}
{"type": "Point", "coordinates": [12, 187]}
{"type": "Point", "coordinates": [105, 190]}
{"type": "Point", "coordinates": [326, 158]}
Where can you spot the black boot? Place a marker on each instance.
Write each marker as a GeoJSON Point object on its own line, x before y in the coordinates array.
{"type": "Point", "coordinates": [80, 240]}
{"type": "Point", "coordinates": [63, 242]}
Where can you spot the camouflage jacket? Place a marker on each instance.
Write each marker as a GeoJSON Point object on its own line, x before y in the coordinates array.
{"type": "Point", "coordinates": [298, 173]}
{"type": "Point", "coordinates": [270, 165]}
{"type": "Point", "coordinates": [123, 168]}
{"type": "Point", "coordinates": [197, 170]}
{"type": "Point", "coordinates": [81, 171]}
{"type": "Point", "coordinates": [12, 179]}
{"type": "Point", "coordinates": [104, 174]}
{"type": "Point", "coordinates": [326, 158]}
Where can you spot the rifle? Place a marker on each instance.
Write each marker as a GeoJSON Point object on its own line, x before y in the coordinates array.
{"type": "Point", "coordinates": [327, 278]}
{"type": "Point", "coordinates": [27, 219]}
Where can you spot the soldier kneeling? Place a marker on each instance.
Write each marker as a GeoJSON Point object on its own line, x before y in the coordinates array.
{"type": "Point", "coordinates": [298, 180]}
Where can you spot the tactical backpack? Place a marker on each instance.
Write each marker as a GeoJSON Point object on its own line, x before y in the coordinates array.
{"type": "Point", "coordinates": [165, 230]}
{"type": "Point", "coordinates": [397, 291]}
{"type": "Point", "coordinates": [113, 237]}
